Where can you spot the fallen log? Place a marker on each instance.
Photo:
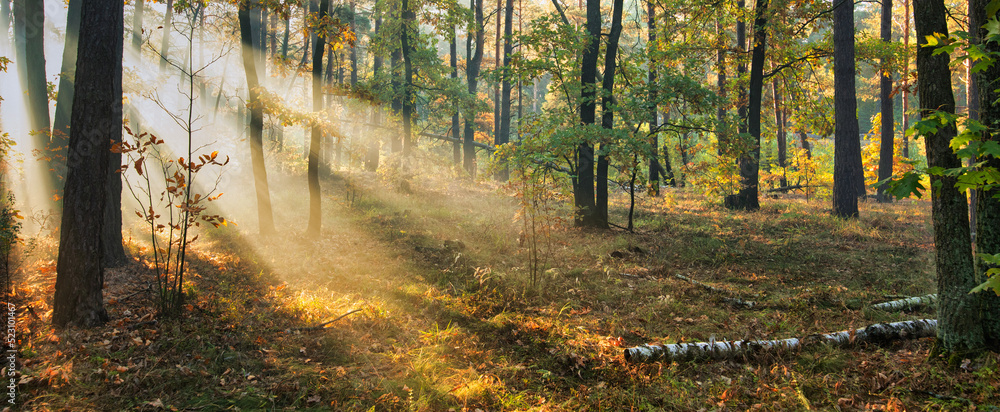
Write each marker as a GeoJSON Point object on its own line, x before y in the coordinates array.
{"type": "Point", "coordinates": [878, 333]}
{"type": "Point", "coordinates": [908, 303]}
{"type": "Point", "coordinates": [731, 300]}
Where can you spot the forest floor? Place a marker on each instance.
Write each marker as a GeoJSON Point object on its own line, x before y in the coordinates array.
{"type": "Point", "coordinates": [448, 317]}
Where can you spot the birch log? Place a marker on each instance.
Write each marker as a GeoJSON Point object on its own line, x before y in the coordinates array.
{"type": "Point", "coordinates": [878, 333]}
{"type": "Point", "coordinates": [908, 303]}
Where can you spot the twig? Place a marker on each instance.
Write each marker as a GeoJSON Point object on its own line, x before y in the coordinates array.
{"type": "Point", "coordinates": [323, 325]}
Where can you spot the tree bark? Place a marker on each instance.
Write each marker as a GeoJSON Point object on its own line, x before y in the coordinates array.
{"type": "Point", "coordinates": [137, 25]}
{"type": "Point", "coordinates": [906, 78]}
{"type": "Point", "coordinates": [457, 149]}
{"type": "Point", "coordinates": [167, 27]}
{"type": "Point", "coordinates": [987, 208]}
{"type": "Point", "coordinates": [655, 170]}
{"type": "Point", "coordinates": [960, 330]}
{"type": "Point", "coordinates": [885, 97]}
{"type": "Point", "coordinates": [95, 123]}
{"type": "Point", "coordinates": [472, 76]}
{"type": "Point", "coordinates": [409, 18]}
{"type": "Point", "coordinates": [265, 218]}
{"type": "Point", "coordinates": [29, 32]}
{"type": "Point", "coordinates": [374, 143]}
{"type": "Point", "coordinates": [315, 145]}
{"type": "Point", "coordinates": [721, 137]}
{"type": "Point", "coordinates": [878, 333]}
{"type": "Point", "coordinates": [583, 193]}
{"type": "Point", "coordinates": [64, 101]}
{"type": "Point", "coordinates": [749, 160]}
{"type": "Point", "coordinates": [781, 134]}
{"type": "Point", "coordinates": [847, 146]}
{"type": "Point", "coordinates": [5, 20]}
{"type": "Point", "coordinates": [503, 134]}
{"type": "Point", "coordinates": [608, 112]}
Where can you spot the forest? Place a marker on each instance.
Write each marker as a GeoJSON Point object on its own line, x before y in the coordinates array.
{"type": "Point", "coordinates": [543, 205]}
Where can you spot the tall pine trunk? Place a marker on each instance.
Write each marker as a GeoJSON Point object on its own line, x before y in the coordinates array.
{"type": "Point", "coordinates": [749, 160]}
{"type": "Point", "coordinates": [781, 133]}
{"type": "Point", "coordinates": [583, 190]}
{"type": "Point", "coordinates": [988, 208]}
{"type": "Point", "coordinates": [503, 133]}
{"type": "Point", "coordinates": [64, 101]}
{"type": "Point", "coordinates": [409, 18]}
{"type": "Point", "coordinates": [168, 18]}
{"type": "Point", "coordinates": [608, 112]}
{"type": "Point", "coordinates": [960, 327]}
{"type": "Point", "coordinates": [847, 143]}
{"type": "Point", "coordinates": [472, 76]}
{"type": "Point", "coordinates": [315, 145]}
{"type": "Point", "coordinates": [457, 134]}
{"type": "Point", "coordinates": [265, 217]}
{"type": "Point", "coordinates": [94, 124]}
{"type": "Point", "coordinates": [885, 153]}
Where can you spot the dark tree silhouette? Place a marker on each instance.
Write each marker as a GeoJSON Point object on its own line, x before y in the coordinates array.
{"type": "Point", "coordinates": [608, 112]}
{"type": "Point", "coordinates": [960, 327]}
{"type": "Point", "coordinates": [315, 217]}
{"type": "Point", "coordinates": [885, 96]}
{"type": "Point", "coordinates": [94, 124]}
{"type": "Point", "coordinates": [583, 185]}
{"type": "Point", "coordinates": [265, 218]}
{"type": "Point", "coordinates": [472, 76]}
{"type": "Point", "coordinates": [749, 160]}
{"type": "Point", "coordinates": [988, 208]}
{"type": "Point", "coordinates": [847, 146]}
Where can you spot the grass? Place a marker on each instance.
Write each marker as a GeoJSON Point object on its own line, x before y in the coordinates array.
{"type": "Point", "coordinates": [446, 327]}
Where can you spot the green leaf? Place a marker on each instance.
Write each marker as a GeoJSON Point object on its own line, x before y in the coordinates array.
{"type": "Point", "coordinates": [992, 7]}
{"type": "Point", "coordinates": [992, 283]}
{"type": "Point", "coordinates": [905, 186]}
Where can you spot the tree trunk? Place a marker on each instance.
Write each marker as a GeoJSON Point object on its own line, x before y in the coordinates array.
{"type": "Point", "coordinates": [111, 235]}
{"type": "Point", "coordinates": [167, 27]}
{"type": "Point", "coordinates": [404, 39]}
{"type": "Point", "coordinates": [655, 170]}
{"type": "Point", "coordinates": [285, 36]}
{"type": "Point", "coordinates": [749, 160]}
{"type": "Point", "coordinates": [315, 145]}
{"type": "Point", "coordinates": [878, 333]}
{"type": "Point", "coordinates": [988, 208]}
{"type": "Point", "coordinates": [29, 29]}
{"type": "Point", "coordinates": [136, 25]}
{"type": "Point", "coordinates": [780, 118]}
{"type": "Point", "coordinates": [496, 86]}
{"type": "Point", "coordinates": [583, 193]}
{"type": "Point", "coordinates": [374, 143]}
{"type": "Point", "coordinates": [608, 112]}
{"type": "Point", "coordinates": [906, 78]}
{"type": "Point", "coordinates": [95, 123]}
{"type": "Point", "coordinates": [503, 136]}
{"type": "Point", "coordinates": [264, 216]}
{"type": "Point", "coordinates": [960, 329]}
{"type": "Point", "coordinates": [720, 117]}
{"type": "Point", "coordinates": [457, 134]}
{"type": "Point", "coordinates": [847, 146]}
{"type": "Point", "coordinates": [885, 97]}
{"type": "Point", "coordinates": [5, 20]}
{"type": "Point", "coordinates": [64, 101]}
{"type": "Point", "coordinates": [472, 76]}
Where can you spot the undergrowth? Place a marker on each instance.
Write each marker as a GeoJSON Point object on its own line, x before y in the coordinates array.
{"type": "Point", "coordinates": [445, 311]}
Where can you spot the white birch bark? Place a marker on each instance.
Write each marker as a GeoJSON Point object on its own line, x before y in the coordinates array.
{"type": "Point", "coordinates": [908, 303]}
{"type": "Point", "coordinates": [878, 333]}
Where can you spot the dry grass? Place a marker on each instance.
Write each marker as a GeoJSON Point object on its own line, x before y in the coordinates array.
{"type": "Point", "coordinates": [460, 326]}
